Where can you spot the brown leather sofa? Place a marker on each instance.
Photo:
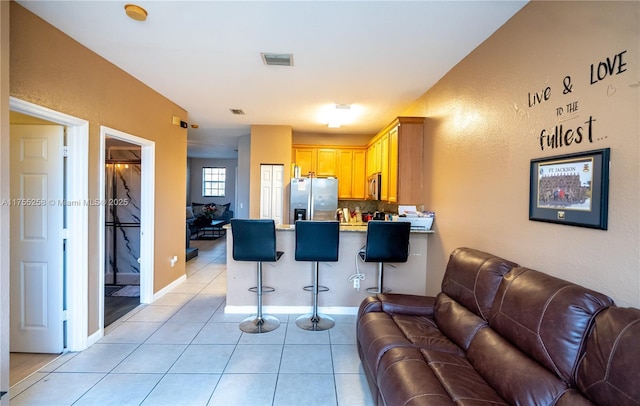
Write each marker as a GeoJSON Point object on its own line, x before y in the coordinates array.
{"type": "Point", "coordinates": [500, 334]}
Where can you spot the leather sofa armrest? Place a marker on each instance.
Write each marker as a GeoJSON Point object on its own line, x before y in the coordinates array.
{"type": "Point", "coordinates": [369, 305]}
{"type": "Point", "coordinates": [412, 305]}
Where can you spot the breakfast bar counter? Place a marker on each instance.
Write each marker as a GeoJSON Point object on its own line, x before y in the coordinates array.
{"type": "Point", "coordinates": [288, 276]}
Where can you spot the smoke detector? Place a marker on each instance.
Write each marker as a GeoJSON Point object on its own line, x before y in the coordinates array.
{"type": "Point", "coordinates": [135, 12]}
{"type": "Point", "coordinates": [272, 59]}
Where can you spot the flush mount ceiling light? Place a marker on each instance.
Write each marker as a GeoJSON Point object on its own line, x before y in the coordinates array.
{"type": "Point", "coordinates": [272, 59]}
{"type": "Point", "coordinates": [135, 12]}
{"type": "Point", "coordinates": [339, 116]}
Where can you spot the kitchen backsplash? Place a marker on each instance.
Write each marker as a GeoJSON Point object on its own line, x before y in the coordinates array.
{"type": "Point", "coordinates": [368, 206]}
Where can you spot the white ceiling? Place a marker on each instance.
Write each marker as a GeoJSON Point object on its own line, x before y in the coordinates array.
{"type": "Point", "coordinates": [378, 56]}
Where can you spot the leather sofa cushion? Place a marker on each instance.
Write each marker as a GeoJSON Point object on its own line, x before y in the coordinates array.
{"type": "Point", "coordinates": [405, 378]}
{"type": "Point", "coordinates": [456, 321]}
{"type": "Point", "coordinates": [545, 317]}
{"type": "Point", "coordinates": [424, 333]}
{"type": "Point", "coordinates": [516, 378]}
{"type": "Point", "coordinates": [472, 278]}
{"type": "Point", "coordinates": [573, 397]}
{"type": "Point", "coordinates": [606, 372]}
{"type": "Point", "coordinates": [462, 382]}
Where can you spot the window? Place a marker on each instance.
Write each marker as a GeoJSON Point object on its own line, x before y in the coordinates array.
{"type": "Point", "coordinates": [213, 181]}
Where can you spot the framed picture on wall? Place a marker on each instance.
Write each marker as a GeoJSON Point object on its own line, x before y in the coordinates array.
{"type": "Point", "coordinates": [571, 189]}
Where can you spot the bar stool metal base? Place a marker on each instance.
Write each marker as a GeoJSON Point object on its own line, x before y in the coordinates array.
{"type": "Point", "coordinates": [257, 325]}
{"type": "Point", "coordinates": [380, 288]}
{"type": "Point", "coordinates": [320, 322]}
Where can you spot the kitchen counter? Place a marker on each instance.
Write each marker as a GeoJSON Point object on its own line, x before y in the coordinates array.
{"type": "Point", "coordinates": [348, 227]}
{"type": "Point", "coordinates": [289, 276]}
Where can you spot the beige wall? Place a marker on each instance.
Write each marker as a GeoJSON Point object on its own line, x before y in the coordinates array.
{"type": "Point", "coordinates": [332, 139]}
{"type": "Point", "coordinates": [50, 69]}
{"type": "Point", "coordinates": [481, 135]}
{"type": "Point", "coordinates": [195, 179]}
{"type": "Point", "coordinates": [270, 144]}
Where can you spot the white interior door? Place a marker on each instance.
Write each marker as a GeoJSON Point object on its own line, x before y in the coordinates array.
{"type": "Point", "coordinates": [278, 193]}
{"type": "Point", "coordinates": [266, 178]}
{"type": "Point", "coordinates": [271, 192]}
{"type": "Point", "coordinates": [37, 238]}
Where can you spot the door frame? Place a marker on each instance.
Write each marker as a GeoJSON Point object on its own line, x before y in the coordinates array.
{"type": "Point", "coordinates": [77, 253]}
{"type": "Point", "coordinates": [147, 210]}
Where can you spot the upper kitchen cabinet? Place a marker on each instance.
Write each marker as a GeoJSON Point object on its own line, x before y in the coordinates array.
{"type": "Point", "coordinates": [400, 162]}
{"type": "Point", "coordinates": [373, 157]}
{"type": "Point", "coordinates": [323, 162]}
{"type": "Point", "coordinates": [327, 162]}
{"type": "Point", "coordinates": [393, 165]}
{"type": "Point", "coordinates": [351, 173]}
{"type": "Point", "coordinates": [306, 159]}
{"type": "Point", "coordinates": [359, 181]}
{"type": "Point", "coordinates": [345, 163]}
{"type": "Point", "coordinates": [384, 167]}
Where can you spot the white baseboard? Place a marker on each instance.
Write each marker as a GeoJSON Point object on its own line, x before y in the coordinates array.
{"type": "Point", "coordinates": [168, 288]}
{"type": "Point", "coordinates": [342, 310]}
{"type": "Point", "coordinates": [95, 337]}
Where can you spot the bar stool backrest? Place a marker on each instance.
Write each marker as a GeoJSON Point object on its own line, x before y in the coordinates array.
{"type": "Point", "coordinates": [254, 240]}
{"type": "Point", "coordinates": [317, 240]}
{"type": "Point", "coordinates": [387, 241]}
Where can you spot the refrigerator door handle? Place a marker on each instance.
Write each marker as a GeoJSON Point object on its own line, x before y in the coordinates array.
{"type": "Point", "coordinates": [310, 202]}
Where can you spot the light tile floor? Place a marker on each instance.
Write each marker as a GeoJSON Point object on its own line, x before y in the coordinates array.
{"type": "Point", "coordinates": [184, 350]}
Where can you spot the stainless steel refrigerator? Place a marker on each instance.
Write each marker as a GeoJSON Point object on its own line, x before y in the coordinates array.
{"type": "Point", "coordinates": [313, 199]}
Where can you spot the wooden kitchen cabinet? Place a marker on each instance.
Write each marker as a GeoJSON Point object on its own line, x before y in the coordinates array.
{"type": "Point", "coordinates": [384, 167]}
{"type": "Point", "coordinates": [327, 162]}
{"type": "Point", "coordinates": [400, 161]}
{"type": "Point", "coordinates": [351, 173]}
{"type": "Point", "coordinates": [306, 159]}
{"type": "Point", "coordinates": [359, 180]}
{"type": "Point", "coordinates": [373, 158]}
{"type": "Point", "coordinates": [345, 173]}
{"type": "Point", "coordinates": [345, 163]}
{"type": "Point", "coordinates": [393, 165]}
{"type": "Point", "coordinates": [321, 161]}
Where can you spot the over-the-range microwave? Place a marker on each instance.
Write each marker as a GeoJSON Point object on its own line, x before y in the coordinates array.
{"type": "Point", "coordinates": [373, 186]}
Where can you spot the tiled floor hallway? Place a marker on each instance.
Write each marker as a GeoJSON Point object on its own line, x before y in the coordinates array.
{"type": "Point", "coordinates": [183, 350]}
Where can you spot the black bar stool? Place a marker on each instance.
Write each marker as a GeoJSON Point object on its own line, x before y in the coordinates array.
{"type": "Point", "coordinates": [316, 241]}
{"type": "Point", "coordinates": [255, 240]}
{"type": "Point", "coordinates": [387, 241]}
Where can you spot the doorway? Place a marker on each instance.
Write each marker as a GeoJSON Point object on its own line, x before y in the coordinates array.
{"type": "Point", "coordinates": [77, 248]}
{"type": "Point", "coordinates": [74, 249]}
{"type": "Point", "coordinates": [126, 226]}
{"type": "Point", "coordinates": [123, 170]}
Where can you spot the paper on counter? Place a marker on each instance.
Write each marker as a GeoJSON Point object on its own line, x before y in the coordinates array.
{"type": "Point", "coordinates": [407, 210]}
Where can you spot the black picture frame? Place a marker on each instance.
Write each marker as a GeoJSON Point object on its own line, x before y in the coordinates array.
{"type": "Point", "coordinates": [571, 189]}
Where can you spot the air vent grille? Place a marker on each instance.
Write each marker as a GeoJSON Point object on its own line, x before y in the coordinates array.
{"type": "Point", "coordinates": [277, 59]}
{"type": "Point", "coordinates": [238, 112]}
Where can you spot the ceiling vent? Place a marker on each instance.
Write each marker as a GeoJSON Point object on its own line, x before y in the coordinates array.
{"type": "Point", "coordinates": [237, 112]}
{"type": "Point", "coordinates": [277, 59]}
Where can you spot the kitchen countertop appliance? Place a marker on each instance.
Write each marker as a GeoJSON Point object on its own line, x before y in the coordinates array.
{"type": "Point", "coordinates": [313, 199]}
{"type": "Point", "coordinates": [420, 220]}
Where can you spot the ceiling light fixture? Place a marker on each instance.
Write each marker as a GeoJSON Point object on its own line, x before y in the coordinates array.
{"type": "Point", "coordinates": [339, 116]}
{"type": "Point", "coordinates": [135, 12]}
